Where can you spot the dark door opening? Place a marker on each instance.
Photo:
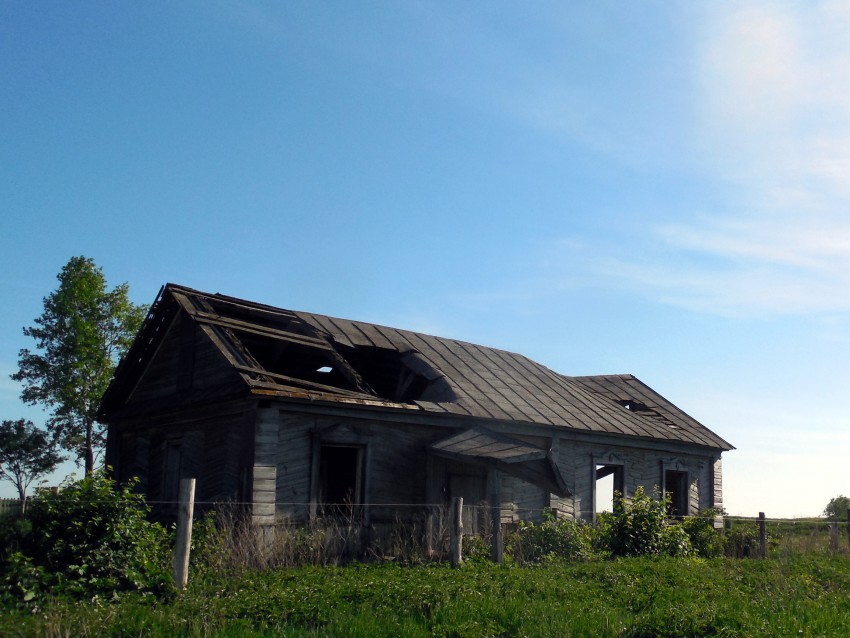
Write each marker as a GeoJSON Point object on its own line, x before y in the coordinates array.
{"type": "Point", "coordinates": [340, 472]}
{"type": "Point", "coordinates": [676, 488]}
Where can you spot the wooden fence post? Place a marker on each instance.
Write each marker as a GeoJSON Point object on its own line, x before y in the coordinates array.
{"type": "Point", "coordinates": [762, 536]}
{"type": "Point", "coordinates": [456, 531]}
{"type": "Point", "coordinates": [429, 533]}
{"type": "Point", "coordinates": [848, 524]}
{"type": "Point", "coordinates": [498, 549]}
{"type": "Point", "coordinates": [496, 546]}
{"type": "Point", "coordinates": [183, 543]}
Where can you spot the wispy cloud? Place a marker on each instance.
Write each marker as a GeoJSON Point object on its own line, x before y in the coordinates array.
{"type": "Point", "coordinates": [773, 123]}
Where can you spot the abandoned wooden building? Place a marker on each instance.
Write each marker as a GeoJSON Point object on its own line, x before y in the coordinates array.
{"type": "Point", "coordinates": [294, 413]}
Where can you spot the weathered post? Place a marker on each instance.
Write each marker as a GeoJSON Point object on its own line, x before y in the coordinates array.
{"type": "Point", "coordinates": [833, 536]}
{"type": "Point", "coordinates": [456, 531]}
{"type": "Point", "coordinates": [183, 543]}
{"type": "Point", "coordinates": [762, 536]}
{"type": "Point", "coordinates": [848, 524]}
{"type": "Point", "coordinates": [429, 533]}
{"type": "Point", "coordinates": [497, 547]}
{"type": "Point", "coordinates": [498, 551]}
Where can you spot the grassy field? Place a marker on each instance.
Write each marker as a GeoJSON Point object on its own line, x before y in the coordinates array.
{"type": "Point", "coordinates": [803, 595]}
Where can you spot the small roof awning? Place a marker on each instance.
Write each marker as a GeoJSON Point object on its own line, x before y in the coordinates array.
{"type": "Point", "coordinates": [525, 461]}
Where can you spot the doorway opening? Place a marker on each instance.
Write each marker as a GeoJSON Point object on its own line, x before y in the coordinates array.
{"type": "Point", "coordinates": [340, 475]}
{"type": "Point", "coordinates": [610, 479]}
{"type": "Point", "coordinates": [676, 489]}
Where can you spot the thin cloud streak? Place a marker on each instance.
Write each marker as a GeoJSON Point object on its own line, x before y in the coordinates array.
{"type": "Point", "coordinates": [774, 122]}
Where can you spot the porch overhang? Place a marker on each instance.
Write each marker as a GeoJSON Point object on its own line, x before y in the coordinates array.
{"type": "Point", "coordinates": [523, 460]}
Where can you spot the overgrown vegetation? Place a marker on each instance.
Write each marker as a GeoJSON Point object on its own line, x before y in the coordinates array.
{"type": "Point", "coordinates": [551, 540]}
{"type": "Point", "coordinates": [637, 527]}
{"type": "Point", "coordinates": [635, 574]}
{"type": "Point", "coordinates": [90, 539]}
{"type": "Point", "coordinates": [631, 597]}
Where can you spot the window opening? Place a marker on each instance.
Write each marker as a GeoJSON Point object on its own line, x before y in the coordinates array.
{"type": "Point", "coordinates": [340, 476]}
{"type": "Point", "coordinates": [609, 479]}
{"type": "Point", "coordinates": [676, 488]}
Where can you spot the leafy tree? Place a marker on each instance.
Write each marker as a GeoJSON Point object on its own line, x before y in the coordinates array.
{"type": "Point", "coordinates": [836, 509]}
{"type": "Point", "coordinates": [80, 336]}
{"type": "Point", "coordinates": [26, 453]}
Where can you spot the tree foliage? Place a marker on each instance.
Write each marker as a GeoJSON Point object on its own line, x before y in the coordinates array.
{"type": "Point", "coordinates": [837, 507]}
{"type": "Point", "coordinates": [79, 337]}
{"type": "Point", "coordinates": [26, 453]}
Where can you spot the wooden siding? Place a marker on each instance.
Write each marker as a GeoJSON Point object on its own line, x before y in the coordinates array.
{"type": "Point", "coordinates": [187, 365]}
{"type": "Point", "coordinates": [642, 467]}
{"type": "Point", "coordinates": [294, 459]}
{"type": "Point", "coordinates": [717, 484]}
{"type": "Point", "coordinates": [214, 447]}
{"type": "Point", "coordinates": [264, 471]}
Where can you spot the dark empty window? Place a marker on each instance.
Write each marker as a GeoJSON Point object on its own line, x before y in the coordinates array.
{"type": "Point", "coordinates": [340, 475]}
{"type": "Point", "coordinates": [676, 488]}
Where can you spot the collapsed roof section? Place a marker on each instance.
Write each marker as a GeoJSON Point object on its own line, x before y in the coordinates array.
{"type": "Point", "coordinates": [279, 351]}
{"type": "Point", "coordinates": [300, 355]}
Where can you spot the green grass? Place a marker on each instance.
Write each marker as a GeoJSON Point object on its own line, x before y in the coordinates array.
{"type": "Point", "coordinates": [804, 595]}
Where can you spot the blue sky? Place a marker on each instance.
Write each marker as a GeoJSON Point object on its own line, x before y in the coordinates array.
{"type": "Point", "coordinates": [657, 188]}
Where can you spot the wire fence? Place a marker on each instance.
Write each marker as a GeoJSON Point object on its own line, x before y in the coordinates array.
{"type": "Point", "coordinates": [385, 525]}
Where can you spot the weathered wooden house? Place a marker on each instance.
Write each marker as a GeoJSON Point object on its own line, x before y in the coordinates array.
{"type": "Point", "coordinates": [295, 413]}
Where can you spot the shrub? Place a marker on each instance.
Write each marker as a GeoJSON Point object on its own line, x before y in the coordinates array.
{"type": "Point", "coordinates": [91, 538]}
{"type": "Point", "coordinates": [552, 539]}
{"type": "Point", "coordinates": [640, 527]}
{"type": "Point", "coordinates": [742, 540]}
{"type": "Point", "coordinates": [636, 527]}
{"type": "Point", "coordinates": [675, 541]}
{"type": "Point", "coordinates": [705, 539]}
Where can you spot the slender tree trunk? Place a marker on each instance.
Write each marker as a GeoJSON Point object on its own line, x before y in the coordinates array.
{"type": "Point", "coordinates": [89, 448]}
{"type": "Point", "coordinates": [22, 494]}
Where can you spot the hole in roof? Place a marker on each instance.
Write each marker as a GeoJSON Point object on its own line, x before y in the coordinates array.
{"type": "Point", "coordinates": [634, 406]}
{"type": "Point", "coordinates": [383, 372]}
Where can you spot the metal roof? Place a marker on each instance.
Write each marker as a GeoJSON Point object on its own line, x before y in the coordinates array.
{"type": "Point", "coordinates": [304, 355]}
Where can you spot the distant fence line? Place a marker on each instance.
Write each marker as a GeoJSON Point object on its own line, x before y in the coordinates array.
{"type": "Point", "coordinates": [10, 506]}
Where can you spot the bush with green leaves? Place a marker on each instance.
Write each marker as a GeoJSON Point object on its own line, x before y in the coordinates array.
{"type": "Point", "coordinates": [550, 540]}
{"type": "Point", "coordinates": [705, 539]}
{"type": "Point", "coordinates": [742, 540]}
{"type": "Point", "coordinates": [91, 538]}
{"type": "Point", "coordinates": [640, 527]}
